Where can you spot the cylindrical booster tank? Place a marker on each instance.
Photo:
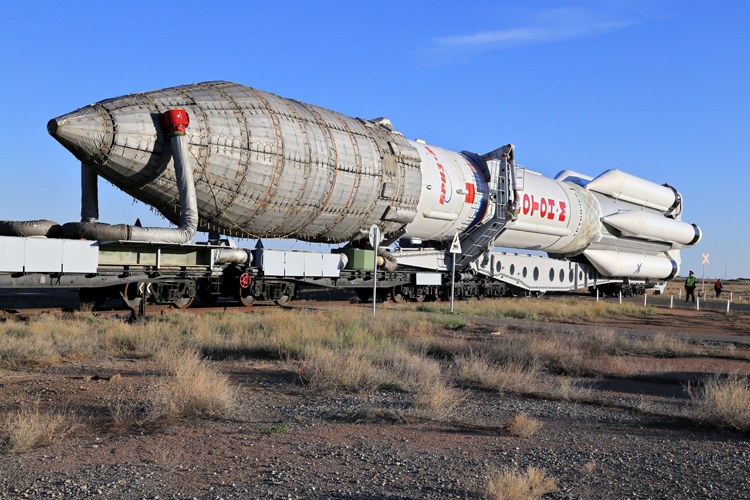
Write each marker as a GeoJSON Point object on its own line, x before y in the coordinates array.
{"type": "Point", "coordinates": [454, 195]}
{"type": "Point", "coordinates": [551, 215]}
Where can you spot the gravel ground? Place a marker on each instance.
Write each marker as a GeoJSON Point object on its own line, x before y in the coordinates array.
{"type": "Point", "coordinates": [362, 446]}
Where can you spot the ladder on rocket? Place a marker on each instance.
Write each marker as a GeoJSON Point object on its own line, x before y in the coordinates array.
{"type": "Point", "coordinates": [501, 169]}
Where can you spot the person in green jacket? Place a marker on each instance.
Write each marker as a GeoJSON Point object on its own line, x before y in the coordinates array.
{"type": "Point", "coordinates": [690, 287]}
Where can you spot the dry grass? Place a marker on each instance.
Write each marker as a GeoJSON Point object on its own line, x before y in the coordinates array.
{"type": "Point", "coordinates": [511, 484]}
{"type": "Point", "coordinates": [122, 413]}
{"type": "Point", "coordinates": [551, 353]}
{"type": "Point", "coordinates": [297, 335]}
{"type": "Point", "coordinates": [437, 400]}
{"type": "Point", "coordinates": [480, 370]}
{"type": "Point", "coordinates": [362, 370]}
{"type": "Point", "coordinates": [523, 426]}
{"type": "Point", "coordinates": [589, 467]}
{"type": "Point", "coordinates": [540, 310]}
{"type": "Point", "coordinates": [352, 370]}
{"type": "Point", "coordinates": [275, 334]}
{"type": "Point", "coordinates": [628, 367]}
{"type": "Point", "coordinates": [722, 401]}
{"type": "Point", "coordinates": [349, 351]}
{"type": "Point", "coordinates": [30, 428]}
{"type": "Point", "coordinates": [573, 353]}
{"type": "Point", "coordinates": [45, 340]}
{"type": "Point", "coordinates": [194, 388]}
{"type": "Point", "coordinates": [566, 389]}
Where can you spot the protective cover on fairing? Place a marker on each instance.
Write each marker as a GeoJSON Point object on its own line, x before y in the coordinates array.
{"type": "Point", "coordinates": [265, 166]}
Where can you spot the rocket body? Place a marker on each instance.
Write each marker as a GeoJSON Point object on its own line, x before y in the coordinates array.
{"type": "Point", "coordinates": [266, 166]}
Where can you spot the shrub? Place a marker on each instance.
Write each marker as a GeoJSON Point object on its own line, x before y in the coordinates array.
{"type": "Point", "coordinates": [29, 428]}
{"type": "Point", "coordinates": [280, 428]}
{"type": "Point", "coordinates": [523, 426]}
{"type": "Point", "coordinates": [352, 370]}
{"type": "Point", "coordinates": [723, 402]}
{"type": "Point", "coordinates": [194, 388]}
{"type": "Point", "coordinates": [478, 370]}
{"type": "Point", "coordinates": [437, 400]}
{"type": "Point", "coordinates": [510, 484]}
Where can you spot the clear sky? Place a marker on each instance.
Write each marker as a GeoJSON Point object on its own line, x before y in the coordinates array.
{"type": "Point", "coordinates": [656, 88]}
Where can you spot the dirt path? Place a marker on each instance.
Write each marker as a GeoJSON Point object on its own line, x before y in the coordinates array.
{"type": "Point", "coordinates": [345, 445]}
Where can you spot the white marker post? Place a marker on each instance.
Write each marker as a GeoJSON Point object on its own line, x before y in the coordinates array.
{"type": "Point", "coordinates": [597, 295]}
{"type": "Point", "coordinates": [455, 250]}
{"type": "Point", "coordinates": [645, 294]}
{"type": "Point", "coordinates": [705, 261]}
{"type": "Point", "coordinates": [671, 301]}
{"type": "Point", "coordinates": [375, 239]}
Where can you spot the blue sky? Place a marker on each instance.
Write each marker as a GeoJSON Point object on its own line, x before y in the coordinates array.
{"type": "Point", "coordinates": [658, 88]}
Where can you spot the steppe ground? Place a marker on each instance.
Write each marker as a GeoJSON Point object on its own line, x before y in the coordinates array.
{"type": "Point", "coordinates": [411, 404]}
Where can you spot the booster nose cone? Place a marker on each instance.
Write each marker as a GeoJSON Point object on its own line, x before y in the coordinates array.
{"type": "Point", "coordinates": [83, 133]}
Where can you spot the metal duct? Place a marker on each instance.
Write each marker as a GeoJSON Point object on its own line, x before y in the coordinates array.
{"type": "Point", "coordinates": [30, 228]}
{"type": "Point", "coordinates": [389, 261]}
{"type": "Point", "coordinates": [89, 194]}
{"type": "Point", "coordinates": [89, 229]}
{"type": "Point", "coordinates": [232, 256]}
{"type": "Point", "coordinates": [188, 205]}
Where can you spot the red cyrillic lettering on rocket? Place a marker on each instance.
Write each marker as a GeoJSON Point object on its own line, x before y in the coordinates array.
{"type": "Point", "coordinates": [441, 172]}
{"type": "Point", "coordinates": [534, 205]}
{"type": "Point", "coordinates": [545, 207]}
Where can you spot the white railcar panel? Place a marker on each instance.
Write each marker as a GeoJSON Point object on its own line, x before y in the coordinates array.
{"type": "Point", "coordinates": [43, 255]}
{"type": "Point", "coordinates": [11, 254]}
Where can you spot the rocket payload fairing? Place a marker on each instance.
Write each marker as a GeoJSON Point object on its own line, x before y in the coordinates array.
{"type": "Point", "coordinates": [266, 166]}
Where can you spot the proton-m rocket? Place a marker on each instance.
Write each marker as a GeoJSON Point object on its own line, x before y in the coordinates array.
{"type": "Point", "coordinates": [264, 166]}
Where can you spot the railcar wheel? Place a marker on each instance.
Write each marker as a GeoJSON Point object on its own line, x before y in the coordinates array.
{"type": "Point", "coordinates": [247, 300]}
{"type": "Point", "coordinates": [419, 298]}
{"type": "Point", "coordinates": [183, 303]}
{"type": "Point", "coordinates": [284, 299]}
{"type": "Point", "coordinates": [397, 295]}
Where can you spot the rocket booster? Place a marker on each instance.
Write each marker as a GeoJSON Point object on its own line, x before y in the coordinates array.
{"type": "Point", "coordinates": [266, 166]}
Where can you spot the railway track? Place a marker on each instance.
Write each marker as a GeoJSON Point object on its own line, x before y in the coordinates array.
{"type": "Point", "coordinates": [153, 310]}
{"type": "Point", "coordinates": [314, 300]}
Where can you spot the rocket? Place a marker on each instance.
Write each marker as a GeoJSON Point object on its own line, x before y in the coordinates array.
{"type": "Point", "coordinates": [270, 167]}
